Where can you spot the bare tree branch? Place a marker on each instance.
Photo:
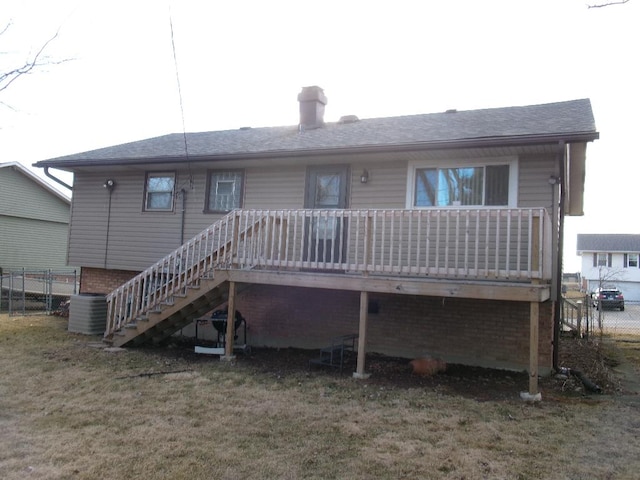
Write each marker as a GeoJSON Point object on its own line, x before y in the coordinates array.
{"type": "Point", "coordinates": [6, 27]}
{"type": "Point", "coordinates": [7, 78]}
{"type": "Point", "coordinates": [601, 5]}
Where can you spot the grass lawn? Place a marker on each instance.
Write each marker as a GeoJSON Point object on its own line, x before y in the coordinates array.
{"type": "Point", "coordinates": [69, 409]}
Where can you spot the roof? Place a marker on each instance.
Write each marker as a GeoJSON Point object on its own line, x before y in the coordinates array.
{"type": "Point", "coordinates": [37, 180]}
{"type": "Point", "coordinates": [595, 242]}
{"type": "Point", "coordinates": [570, 121]}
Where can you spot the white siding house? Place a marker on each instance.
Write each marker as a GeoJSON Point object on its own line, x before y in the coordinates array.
{"type": "Point", "coordinates": [613, 259]}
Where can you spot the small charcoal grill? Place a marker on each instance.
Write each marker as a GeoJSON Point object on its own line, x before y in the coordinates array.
{"type": "Point", "coordinates": [219, 322]}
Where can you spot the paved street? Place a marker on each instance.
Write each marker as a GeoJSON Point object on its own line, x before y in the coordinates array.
{"type": "Point", "coordinates": [621, 323]}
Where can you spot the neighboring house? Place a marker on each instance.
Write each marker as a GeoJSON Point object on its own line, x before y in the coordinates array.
{"type": "Point", "coordinates": [426, 234]}
{"type": "Point", "coordinates": [34, 221]}
{"type": "Point", "coordinates": [611, 259]}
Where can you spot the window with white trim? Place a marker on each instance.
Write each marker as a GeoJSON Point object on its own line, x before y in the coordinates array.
{"type": "Point", "coordinates": [159, 191]}
{"type": "Point", "coordinates": [457, 184]}
{"type": "Point", "coordinates": [602, 259]}
{"type": "Point", "coordinates": [631, 260]}
{"type": "Point", "coordinates": [224, 190]}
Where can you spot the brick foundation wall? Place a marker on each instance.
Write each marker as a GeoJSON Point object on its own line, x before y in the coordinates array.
{"type": "Point", "coordinates": [100, 280]}
{"type": "Point", "coordinates": [485, 333]}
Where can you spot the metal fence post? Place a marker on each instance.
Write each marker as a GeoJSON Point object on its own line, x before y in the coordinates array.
{"type": "Point", "coordinates": [49, 295]}
{"type": "Point", "coordinates": [24, 293]}
{"type": "Point", "coordinates": [10, 296]}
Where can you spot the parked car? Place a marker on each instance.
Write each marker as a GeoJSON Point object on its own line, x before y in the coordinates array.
{"type": "Point", "coordinates": [609, 297]}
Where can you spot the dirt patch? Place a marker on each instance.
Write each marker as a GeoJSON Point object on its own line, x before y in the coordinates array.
{"type": "Point", "coordinates": [598, 362]}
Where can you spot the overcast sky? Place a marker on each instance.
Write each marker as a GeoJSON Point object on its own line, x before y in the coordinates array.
{"type": "Point", "coordinates": [242, 63]}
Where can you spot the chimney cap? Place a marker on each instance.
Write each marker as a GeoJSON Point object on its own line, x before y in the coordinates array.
{"type": "Point", "coordinates": [311, 94]}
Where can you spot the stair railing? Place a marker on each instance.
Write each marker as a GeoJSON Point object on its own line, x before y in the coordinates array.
{"type": "Point", "coordinates": [172, 275]}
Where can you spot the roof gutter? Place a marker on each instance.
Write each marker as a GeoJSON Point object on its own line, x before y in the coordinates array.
{"type": "Point", "coordinates": [69, 164]}
{"type": "Point", "coordinates": [56, 179]}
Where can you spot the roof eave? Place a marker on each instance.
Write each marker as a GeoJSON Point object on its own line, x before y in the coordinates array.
{"type": "Point", "coordinates": [523, 140]}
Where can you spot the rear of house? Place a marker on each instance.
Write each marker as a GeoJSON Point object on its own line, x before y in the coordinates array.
{"type": "Point", "coordinates": [427, 235]}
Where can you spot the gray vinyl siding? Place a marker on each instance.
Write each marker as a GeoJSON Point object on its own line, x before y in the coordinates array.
{"type": "Point", "coordinates": [32, 244]}
{"type": "Point", "coordinates": [386, 187]}
{"type": "Point", "coordinates": [137, 239]}
{"type": "Point", "coordinates": [533, 183]}
{"type": "Point", "coordinates": [21, 197]}
{"type": "Point", "coordinates": [34, 224]}
{"type": "Point", "coordinates": [275, 187]}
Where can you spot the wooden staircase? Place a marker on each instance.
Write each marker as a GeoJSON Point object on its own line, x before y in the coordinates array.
{"type": "Point", "coordinates": [182, 286]}
{"type": "Point", "coordinates": [171, 316]}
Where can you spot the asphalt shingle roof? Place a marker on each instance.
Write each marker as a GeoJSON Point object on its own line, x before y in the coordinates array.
{"type": "Point", "coordinates": [562, 119]}
{"type": "Point", "coordinates": [596, 242]}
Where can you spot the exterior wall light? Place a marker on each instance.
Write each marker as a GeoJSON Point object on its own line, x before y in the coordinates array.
{"type": "Point", "coordinates": [364, 177]}
{"type": "Point", "coordinates": [553, 180]}
{"type": "Point", "coordinates": [109, 184]}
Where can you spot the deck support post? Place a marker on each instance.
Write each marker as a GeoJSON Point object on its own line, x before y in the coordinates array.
{"type": "Point", "coordinates": [231, 321]}
{"type": "Point", "coordinates": [362, 337]}
{"type": "Point", "coordinates": [534, 316]}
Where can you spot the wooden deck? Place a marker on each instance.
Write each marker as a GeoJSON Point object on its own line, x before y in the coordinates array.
{"type": "Point", "coordinates": [473, 253]}
{"type": "Point", "coordinates": [502, 254]}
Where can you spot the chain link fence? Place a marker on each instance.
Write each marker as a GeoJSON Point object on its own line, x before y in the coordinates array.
{"type": "Point", "coordinates": [581, 315]}
{"type": "Point", "coordinates": [30, 292]}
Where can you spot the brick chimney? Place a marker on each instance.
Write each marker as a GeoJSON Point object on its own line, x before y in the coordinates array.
{"type": "Point", "coordinates": [312, 102]}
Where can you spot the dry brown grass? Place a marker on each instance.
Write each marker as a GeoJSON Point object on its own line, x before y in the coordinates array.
{"type": "Point", "coordinates": [70, 410]}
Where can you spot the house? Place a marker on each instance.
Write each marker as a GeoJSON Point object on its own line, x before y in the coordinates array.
{"type": "Point", "coordinates": [424, 234]}
{"type": "Point", "coordinates": [611, 259]}
{"type": "Point", "coordinates": [34, 221]}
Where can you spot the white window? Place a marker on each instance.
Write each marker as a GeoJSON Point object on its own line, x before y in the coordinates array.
{"type": "Point", "coordinates": [159, 191]}
{"type": "Point", "coordinates": [457, 184]}
{"type": "Point", "coordinates": [224, 192]}
{"type": "Point", "coordinates": [601, 259]}
{"type": "Point", "coordinates": [631, 260]}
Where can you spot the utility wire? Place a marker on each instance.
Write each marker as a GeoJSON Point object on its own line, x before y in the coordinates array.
{"type": "Point", "coordinates": [184, 129]}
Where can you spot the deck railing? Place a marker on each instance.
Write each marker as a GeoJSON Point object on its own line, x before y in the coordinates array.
{"type": "Point", "coordinates": [474, 244]}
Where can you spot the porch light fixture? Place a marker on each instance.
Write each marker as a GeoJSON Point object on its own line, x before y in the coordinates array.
{"type": "Point", "coordinates": [553, 180]}
{"type": "Point", "coordinates": [109, 184]}
{"type": "Point", "coordinates": [364, 177]}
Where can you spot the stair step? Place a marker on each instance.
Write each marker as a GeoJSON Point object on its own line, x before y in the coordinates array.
{"type": "Point", "coordinates": [168, 316]}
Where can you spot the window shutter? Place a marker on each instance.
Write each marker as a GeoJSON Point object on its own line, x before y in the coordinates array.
{"type": "Point", "coordinates": [595, 259]}
{"type": "Point", "coordinates": [609, 255]}
{"type": "Point", "coordinates": [626, 260]}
